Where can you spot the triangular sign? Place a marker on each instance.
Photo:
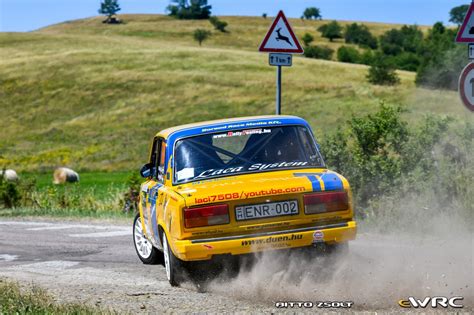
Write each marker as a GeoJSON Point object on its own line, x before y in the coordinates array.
{"type": "Point", "coordinates": [466, 32]}
{"type": "Point", "coordinates": [281, 38]}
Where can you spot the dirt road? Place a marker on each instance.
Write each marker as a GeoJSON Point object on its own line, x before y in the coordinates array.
{"type": "Point", "coordinates": [96, 263]}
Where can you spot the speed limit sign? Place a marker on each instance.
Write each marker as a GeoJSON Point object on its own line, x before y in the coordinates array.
{"type": "Point", "coordinates": [466, 86]}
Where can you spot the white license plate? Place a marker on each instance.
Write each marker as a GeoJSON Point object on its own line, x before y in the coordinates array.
{"type": "Point", "coordinates": [266, 210]}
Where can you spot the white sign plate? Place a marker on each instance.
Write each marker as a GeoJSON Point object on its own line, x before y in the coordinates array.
{"type": "Point", "coordinates": [285, 60]}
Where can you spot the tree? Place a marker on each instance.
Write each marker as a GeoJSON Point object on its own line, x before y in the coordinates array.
{"type": "Point", "coordinates": [218, 24]}
{"type": "Point", "coordinates": [391, 42]}
{"type": "Point", "coordinates": [406, 39]}
{"type": "Point", "coordinates": [109, 8]}
{"type": "Point", "coordinates": [312, 13]}
{"type": "Point", "coordinates": [201, 35]}
{"type": "Point", "coordinates": [360, 35]}
{"type": "Point", "coordinates": [189, 9]}
{"type": "Point", "coordinates": [264, 15]}
{"type": "Point", "coordinates": [412, 38]}
{"type": "Point", "coordinates": [307, 39]}
{"type": "Point", "coordinates": [457, 14]}
{"type": "Point", "coordinates": [382, 73]}
{"type": "Point", "coordinates": [331, 31]}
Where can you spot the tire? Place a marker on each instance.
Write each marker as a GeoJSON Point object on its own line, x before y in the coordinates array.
{"type": "Point", "coordinates": [173, 266]}
{"type": "Point", "coordinates": [147, 253]}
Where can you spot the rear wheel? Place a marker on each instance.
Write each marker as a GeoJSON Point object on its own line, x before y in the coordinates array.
{"type": "Point", "coordinates": [173, 266]}
{"type": "Point", "coordinates": [147, 253]}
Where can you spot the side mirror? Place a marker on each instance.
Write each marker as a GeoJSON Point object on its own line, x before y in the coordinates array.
{"type": "Point", "coordinates": [145, 171]}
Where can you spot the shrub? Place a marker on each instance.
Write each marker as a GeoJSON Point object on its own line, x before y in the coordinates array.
{"type": "Point", "coordinates": [319, 52]}
{"type": "Point", "coordinates": [9, 193]}
{"type": "Point", "coordinates": [378, 152]}
{"type": "Point", "coordinates": [132, 195]}
{"type": "Point", "coordinates": [442, 71]}
{"type": "Point", "coordinates": [307, 39]}
{"type": "Point", "coordinates": [348, 54]}
{"type": "Point", "coordinates": [367, 57]}
{"type": "Point", "coordinates": [201, 35]}
{"type": "Point", "coordinates": [407, 61]}
{"type": "Point", "coordinates": [218, 24]}
{"type": "Point", "coordinates": [381, 72]}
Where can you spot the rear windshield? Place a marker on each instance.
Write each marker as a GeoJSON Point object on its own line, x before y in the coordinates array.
{"type": "Point", "coordinates": [244, 151]}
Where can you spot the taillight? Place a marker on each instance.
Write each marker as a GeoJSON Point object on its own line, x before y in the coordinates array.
{"type": "Point", "coordinates": [205, 216]}
{"type": "Point", "coordinates": [326, 202]}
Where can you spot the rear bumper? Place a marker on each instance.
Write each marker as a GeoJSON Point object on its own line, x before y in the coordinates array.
{"type": "Point", "coordinates": [204, 249]}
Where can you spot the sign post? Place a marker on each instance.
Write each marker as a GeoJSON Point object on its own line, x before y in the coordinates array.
{"type": "Point", "coordinates": [281, 43]}
{"type": "Point", "coordinates": [278, 96]}
{"type": "Point", "coordinates": [466, 80]}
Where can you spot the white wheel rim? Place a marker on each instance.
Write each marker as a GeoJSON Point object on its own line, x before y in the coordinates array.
{"type": "Point", "coordinates": [142, 245]}
{"type": "Point", "coordinates": [167, 257]}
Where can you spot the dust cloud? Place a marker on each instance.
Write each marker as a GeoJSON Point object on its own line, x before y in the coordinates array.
{"type": "Point", "coordinates": [417, 249]}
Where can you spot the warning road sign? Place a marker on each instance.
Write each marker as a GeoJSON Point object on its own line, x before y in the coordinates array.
{"type": "Point", "coordinates": [466, 32]}
{"type": "Point", "coordinates": [466, 86]}
{"type": "Point", "coordinates": [281, 38]}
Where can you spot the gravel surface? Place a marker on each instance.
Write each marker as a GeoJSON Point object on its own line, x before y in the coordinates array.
{"type": "Point", "coordinates": [95, 263]}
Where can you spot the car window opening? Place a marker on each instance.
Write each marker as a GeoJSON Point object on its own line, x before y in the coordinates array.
{"type": "Point", "coordinates": [244, 151]}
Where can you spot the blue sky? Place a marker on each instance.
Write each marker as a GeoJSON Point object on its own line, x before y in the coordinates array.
{"type": "Point", "coordinates": [27, 15]}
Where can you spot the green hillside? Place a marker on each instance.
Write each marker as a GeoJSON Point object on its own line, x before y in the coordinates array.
{"type": "Point", "coordinates": [91, 96]}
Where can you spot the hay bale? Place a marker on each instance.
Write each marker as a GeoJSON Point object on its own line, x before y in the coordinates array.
{"type": "Point", "coordinates": [64, 175]}
{"type": "Point", "coordinates": [9, 175]}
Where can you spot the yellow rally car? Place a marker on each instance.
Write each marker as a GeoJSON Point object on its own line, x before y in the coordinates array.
{"type": "Point", "coordinates": [238, 186]}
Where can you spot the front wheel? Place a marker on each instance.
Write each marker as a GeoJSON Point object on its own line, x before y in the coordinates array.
{"type": "Point", "coordinates": [173, 266]}
{"type": "Point", "coordinates": [147, 253]}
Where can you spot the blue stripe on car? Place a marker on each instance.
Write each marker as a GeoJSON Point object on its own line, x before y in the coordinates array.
{"type": "Point", "coordinates": [332, 182]}
{"type": "Point", "coordinates": [315, 183]}
{"type": "Point", "coordinates": [313, 179]}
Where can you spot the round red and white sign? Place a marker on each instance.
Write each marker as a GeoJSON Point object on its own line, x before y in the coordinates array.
{"type": "Point", "coordinates": [466, 86]}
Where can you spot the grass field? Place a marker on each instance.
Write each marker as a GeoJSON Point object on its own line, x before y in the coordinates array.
{"type": "Point", "coordinates": [97, 194]}
{"type": "Point", "coordinates": [91, 96]}
{"type": "Point", "coordinates": [15, 299]}
{"type": "Point", "coordinates": [102, 183]}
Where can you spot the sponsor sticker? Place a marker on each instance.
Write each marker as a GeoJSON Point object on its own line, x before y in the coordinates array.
{"type": "Point", "coordinates": [185, 173]}
{"type": "Point", "coordinates": [318, 236]}
{"type": "Point", "coordinates": [254, 167]}
{"type": "Point", "coordinates": [242, 133]}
